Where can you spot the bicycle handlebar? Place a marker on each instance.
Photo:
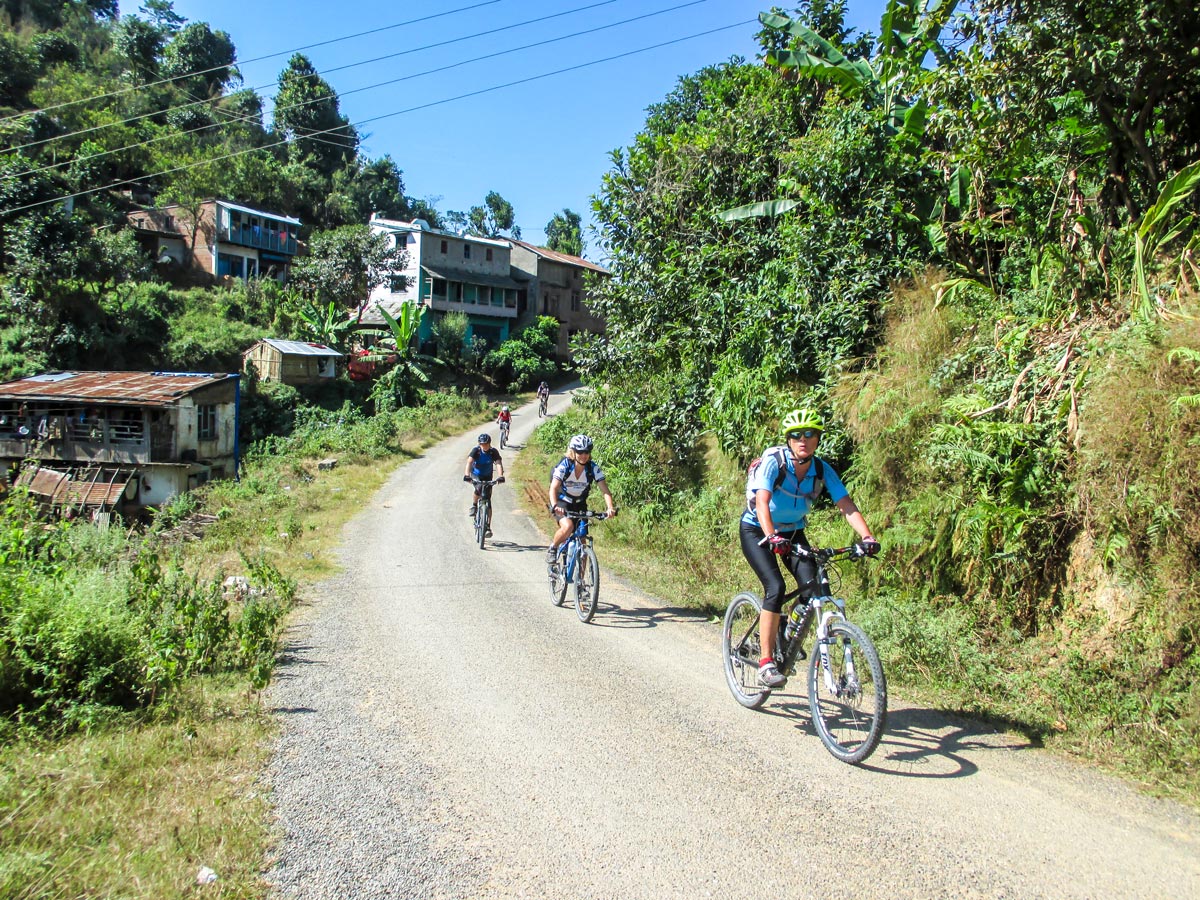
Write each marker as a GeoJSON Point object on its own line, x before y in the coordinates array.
{"type": "Point", "coordinates": [590, 514]}
{"type": "Point", "coordinates": [483, 483]}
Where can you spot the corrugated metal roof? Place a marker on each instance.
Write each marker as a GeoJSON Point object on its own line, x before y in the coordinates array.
{"type": "Point", "coordinates": [259, 212]}
{"type": "Point", "coordinates": [100, 487]}
{"type": "Point", "coordinates": [132, 388]}
{"type": "Point", "coordinates": [562, 257]}
{"type": "Point", "coordinates": [301, 348]}
{"type": "Point", "coordinates": [502, 281]}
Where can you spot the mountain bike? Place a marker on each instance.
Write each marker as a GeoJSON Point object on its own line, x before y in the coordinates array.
{"type": "Point", "coordinates": [847, 691]}
{"type": "Point", "coordinates": [542, 401]}
{"type": "Point", "coordinates": [504, 426]}
{"type": "Point", "coordinates": [483, 509]}
{"type": "Point", "coordinates": [576, 563]}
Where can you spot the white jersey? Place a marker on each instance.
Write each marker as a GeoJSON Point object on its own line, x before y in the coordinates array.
{"type": "Point", "coordinates": [575, 487]}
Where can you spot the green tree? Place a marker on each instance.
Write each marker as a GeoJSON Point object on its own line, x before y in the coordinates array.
{"type": "Point", "coordinates": [308, 116]}
{"type": "Point", "coordinates": [564, 233]}
{"type": "Point", "coordinates": [200, 60]}
{"type": "Point", "coordinates": [344, 265]}
{"type": "Point", "coordinates": [138, 43]}
{"type": "Point", "coordinates": [161, 13]}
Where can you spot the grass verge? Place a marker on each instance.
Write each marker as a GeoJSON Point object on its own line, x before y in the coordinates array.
{"type": "Point", "coordinates": [136, 803]}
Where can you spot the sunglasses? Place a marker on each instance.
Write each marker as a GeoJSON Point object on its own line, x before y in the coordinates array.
{"type": "Point", "coordinates": [807, 434]}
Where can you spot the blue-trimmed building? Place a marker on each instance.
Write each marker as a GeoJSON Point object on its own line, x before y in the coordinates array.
{"type": "Point", "coordinates": [449, 272]}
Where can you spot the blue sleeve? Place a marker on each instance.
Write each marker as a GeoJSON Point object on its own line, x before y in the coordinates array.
{"type": "Point", "coordinates": [597, 472]}
{"type": "Point", "coordinates": [765, 475]}
{"type": "Point", "coordinates": [559, 471]}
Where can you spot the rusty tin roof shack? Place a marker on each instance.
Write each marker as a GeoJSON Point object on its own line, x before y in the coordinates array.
{"type": "Point", "coordinates": [93, 418]}
{"type": "Point", "coordinates": [110, 388]}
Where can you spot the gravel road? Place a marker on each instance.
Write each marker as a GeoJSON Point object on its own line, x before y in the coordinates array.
{"type": "Point", "coordinates": [447, 733]}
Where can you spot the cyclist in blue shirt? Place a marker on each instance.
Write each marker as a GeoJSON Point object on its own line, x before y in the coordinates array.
{"type": "Point", "coordinates": [570, 482]}
{"type": "Point", "coordinates": [777, 517]}
{"type": "Point", "coordinates": [481, 462]}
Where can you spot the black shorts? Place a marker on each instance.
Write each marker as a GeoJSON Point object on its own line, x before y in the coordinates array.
{"type": "Point", "coordinates": [765, 563]}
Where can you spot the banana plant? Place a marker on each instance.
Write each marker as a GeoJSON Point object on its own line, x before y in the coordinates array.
{"type": "Point", "coordinates": [1155, 231]}
{"type": "Point", "coordinates": [329, 324]}
{"type": "Point", "coordinates": [399, 349]}
{"type": "Point", "coordinates": [907, 37]}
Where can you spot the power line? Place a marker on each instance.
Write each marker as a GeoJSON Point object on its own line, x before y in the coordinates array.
{"type": "Point", "coordinates": [411, 109]}
{"type": "Point", "coordinates": [349, 37]}
{"type": "Point", "coordinates": [255, 90]}
{"type": "Point", "coordinates": [249, 120]}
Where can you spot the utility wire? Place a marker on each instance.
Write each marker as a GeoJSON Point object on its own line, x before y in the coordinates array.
{"type": "Point", "coordinates": [232, 117]}
{"type": "Point", "coordinates": [349, 37]}
{"type": "Point", "coordinates": [411, 109]}
{"type": "Point", "coordinates": [255, 90]}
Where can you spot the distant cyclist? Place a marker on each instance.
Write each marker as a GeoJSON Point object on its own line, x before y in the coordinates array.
{"type": "Point", "coordinates": [543, 392]}
{"type": "Point", "coordinates": [481, 465]}
{"type": "Point", "coordinates": [504, 418]}
{"type": "Point", "coordinates": [570, 482]}
{"type": "Point", "coordinates": [777, 517]}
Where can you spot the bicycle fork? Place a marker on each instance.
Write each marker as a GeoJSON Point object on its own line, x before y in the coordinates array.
{"type": "Point", "coordinates": [849, 681]}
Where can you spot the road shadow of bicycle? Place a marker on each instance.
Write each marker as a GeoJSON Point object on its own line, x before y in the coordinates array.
{"type": "Point", "coordinates": [609, 615]}
{"type": "Point", "coordinates": [503, 546]}
{"type": "Point", "coordinates": [919, 742]}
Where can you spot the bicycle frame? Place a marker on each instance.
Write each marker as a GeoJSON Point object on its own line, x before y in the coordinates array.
{"type": "Point", "coordinates": [791, 649]}
{"type": "Point", "coordinates": [579, 539]}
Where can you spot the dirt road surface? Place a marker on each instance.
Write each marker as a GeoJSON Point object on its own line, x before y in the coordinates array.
{"type": "Point", "coordinates": [447, 732]}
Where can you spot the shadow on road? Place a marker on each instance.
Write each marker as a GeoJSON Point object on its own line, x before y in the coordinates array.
{"type": "Point", "coordinates": [609, 615]}
{"type": "Point", "coordinates": [918, 743]}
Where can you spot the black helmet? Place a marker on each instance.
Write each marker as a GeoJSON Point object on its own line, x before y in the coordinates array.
{"type": "Point", "coordinates": [485, 439]}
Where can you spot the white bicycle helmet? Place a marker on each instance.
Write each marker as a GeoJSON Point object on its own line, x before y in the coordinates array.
{"type": "Point", "coordinates": [581, 443]}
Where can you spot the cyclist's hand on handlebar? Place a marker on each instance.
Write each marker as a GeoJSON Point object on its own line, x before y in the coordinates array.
{"type": "Point", "coordinates": [466, 478]}
{"type": "Point", "coordinates": [779, 544]}
{"type": "Point", "coordinates": [500, 480]}
{"type": "Point", "coordinates": [611, 514]}
{"type": "Point", "coordinates": [865, 547]}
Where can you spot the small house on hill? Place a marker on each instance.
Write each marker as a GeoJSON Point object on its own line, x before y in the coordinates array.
{"type": "Point", "coordinates": [291, 362]}
{"type": "Point", "coordinates": [120, 440]}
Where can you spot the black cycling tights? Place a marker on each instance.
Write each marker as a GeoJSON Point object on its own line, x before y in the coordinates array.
{"type": "Point", "coordinates": [765, 563]}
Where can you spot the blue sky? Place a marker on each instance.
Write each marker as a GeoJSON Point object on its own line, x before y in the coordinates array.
{"type": "Point", "coordinates": [544, 144]}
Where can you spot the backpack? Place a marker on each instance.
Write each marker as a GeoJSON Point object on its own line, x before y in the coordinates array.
{"type": "Point", "coordinates": [588, 471]}
{"type": "Point", "coordinates": [780, 454]}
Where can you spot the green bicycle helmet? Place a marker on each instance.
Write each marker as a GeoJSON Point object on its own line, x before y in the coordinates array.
{"type": "Point", "coordinates": [799, 419]}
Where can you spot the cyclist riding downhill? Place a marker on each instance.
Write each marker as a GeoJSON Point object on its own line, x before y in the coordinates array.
{"type": "Point", "coordinates": [780, 491]}
{"type": "Point", "coordinates": [482, 461]}
{"type": "Point", "coordinates": [543, 393]}
{"type": "Point", "coordinates": [571, 481]}
{"type": "Point", "coordinates": [504, 421]}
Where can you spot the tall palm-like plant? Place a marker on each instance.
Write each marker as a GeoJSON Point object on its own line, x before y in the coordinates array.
{"type": "Point", "coordinates": [329, 324]}
{"type": "Point", "coordinates": [399, 349]}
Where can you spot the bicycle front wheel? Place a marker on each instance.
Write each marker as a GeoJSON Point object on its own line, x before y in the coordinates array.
{"type": "Point", "coordinates": [741, 650]}
{"type": "Point", "coordinates": [482, 513]}
{"type": "Point", "coordinates": [848, 694]}
{"type": "Point", "coordinates": [587, 584]}
{"type": "Point", "coordinates": [558, 581]}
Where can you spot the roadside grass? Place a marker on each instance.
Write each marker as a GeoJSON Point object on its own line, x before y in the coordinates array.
{"type": "Point", "coordinates": [935, 654]}
{"type": "Point", "coordinates": [138, 808]}
{"type": "Point", "coordinates": [134, 804]}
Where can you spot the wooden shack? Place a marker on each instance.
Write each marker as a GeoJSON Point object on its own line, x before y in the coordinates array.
{"type": "Point", "coordinates": [291, 362]}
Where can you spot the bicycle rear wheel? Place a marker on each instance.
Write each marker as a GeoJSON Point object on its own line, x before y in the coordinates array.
{"type": "Point", "coordinates": [587, 584]}
{"type": "Point", "coordinates": [558, 581]}
{"type": "Point", "coordinates": [741, 651]}
{"type": "Point", "coordinates": [849, 708]}
{"type": "Point", "coordinates": [482, 513]}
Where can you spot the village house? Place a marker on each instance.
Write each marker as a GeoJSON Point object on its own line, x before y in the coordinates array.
{"type": "Point", "coordinates": [449, 272]}
{"type": "Point", "coordinates": [120, 440]}
{"type": "Point", "coordinates": [223, 240]}
{"type": "Point", "coordinates": [291, 362]}
{"type": "Point", "coordinates": [557, 287]}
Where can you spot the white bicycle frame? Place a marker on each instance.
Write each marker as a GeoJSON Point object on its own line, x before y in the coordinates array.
{"type": "Point", "coordinates": [824, 618]}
